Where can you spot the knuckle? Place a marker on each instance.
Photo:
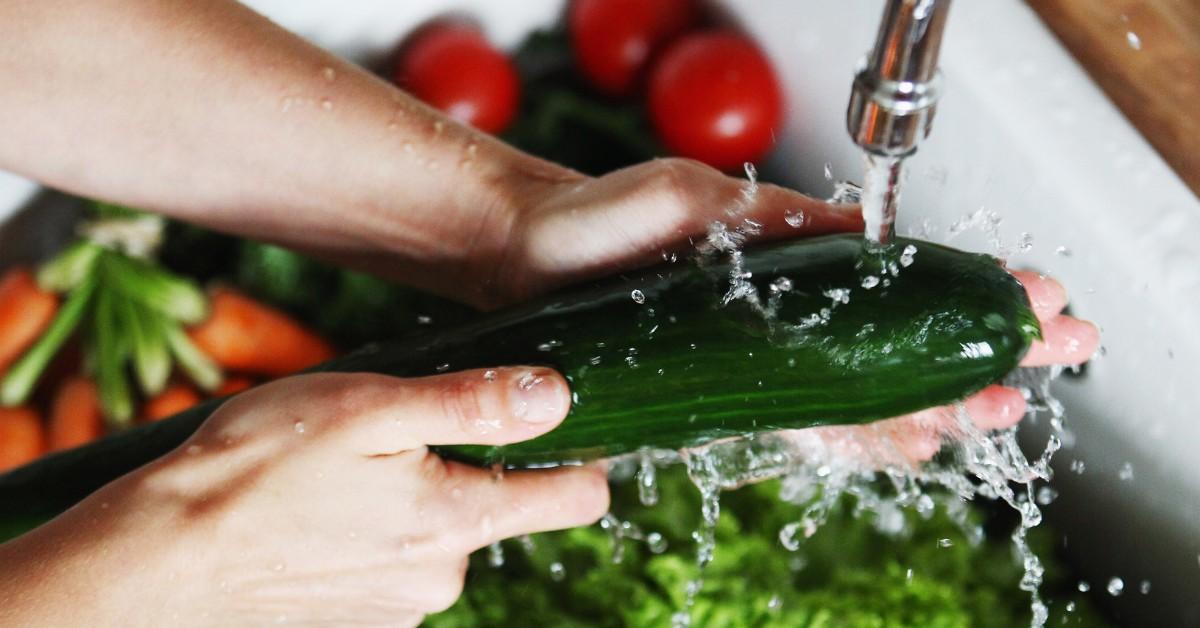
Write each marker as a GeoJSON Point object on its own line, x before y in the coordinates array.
{"type": "Point", "coordinates": [461, 401]}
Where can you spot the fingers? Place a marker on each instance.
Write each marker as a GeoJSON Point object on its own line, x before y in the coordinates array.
{"type": "Point", "coordinates": [479, 407]}
{"type": "Point", "coordinates": [785, 213]}
{"type": "Point", "coordinates": [1066, 341]}
{"type": "Point", "coordinates": [996, 407]}
{"type": "Point", "coordinates": [487, 509]}
{"type": "Point", "coordinates": [1047, 296]}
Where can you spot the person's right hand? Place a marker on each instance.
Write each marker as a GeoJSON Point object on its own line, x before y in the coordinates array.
{"type": "Point", "coordinates": [313, 500]}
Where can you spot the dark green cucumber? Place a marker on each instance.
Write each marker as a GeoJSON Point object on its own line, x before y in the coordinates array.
{"type": "Point", "coordinates": [676, 368]}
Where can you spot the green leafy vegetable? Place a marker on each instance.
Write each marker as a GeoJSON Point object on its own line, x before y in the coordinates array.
{"type": "Point", "coordinates": [848, 575]}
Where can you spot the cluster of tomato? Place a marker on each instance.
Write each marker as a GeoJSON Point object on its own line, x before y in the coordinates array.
{"type": "Point", "coordinates": [710, 93]}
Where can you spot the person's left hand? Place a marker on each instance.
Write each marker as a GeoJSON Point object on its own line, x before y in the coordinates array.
{"type": "Point", "coordinates": [575, 227]}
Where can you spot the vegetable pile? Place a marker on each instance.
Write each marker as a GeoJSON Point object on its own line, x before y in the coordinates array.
{"type": "Point", "coordinates": [102, 336]}
{"type": "Point", "coordinates": [848, 575]}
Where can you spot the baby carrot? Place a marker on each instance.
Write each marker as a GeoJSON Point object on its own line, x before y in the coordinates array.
{"type": "Point", "coordinates": [244, 335]}
{"type": "Point", "coordinates": [75, 415]}
{"type": "Point", "coordinates": [22, 437]}
{"type": "Point", "coordinates": [25, 312]}
{"type": "Point", "coordinates": [175, 399]}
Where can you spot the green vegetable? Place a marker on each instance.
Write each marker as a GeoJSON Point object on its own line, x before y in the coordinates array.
{"type": "Point", "coordinates": [949, 324]}
{"type": "Point", "coordinates": [847, 575]}
{"type": "Point", "coordinates": [679, 369]}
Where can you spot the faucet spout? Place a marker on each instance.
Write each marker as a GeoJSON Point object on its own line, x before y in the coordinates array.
{"type": "Point", "coordinates": [896, 89]}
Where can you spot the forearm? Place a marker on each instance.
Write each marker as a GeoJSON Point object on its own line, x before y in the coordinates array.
{"type": "Point", "coordinates": [91, 568]}
{"type": "Point", "coordinates": [210, 113]}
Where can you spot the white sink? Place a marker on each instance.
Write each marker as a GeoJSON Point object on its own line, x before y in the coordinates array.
{"type": "Point", "coordinates": [1023, 132]}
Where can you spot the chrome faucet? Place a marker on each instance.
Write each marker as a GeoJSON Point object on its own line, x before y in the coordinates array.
{"type": "Point", "coordinates": [896, 89]}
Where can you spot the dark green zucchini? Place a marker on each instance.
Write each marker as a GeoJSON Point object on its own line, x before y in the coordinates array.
{"type": "Point", "coordinates": [674, 367]}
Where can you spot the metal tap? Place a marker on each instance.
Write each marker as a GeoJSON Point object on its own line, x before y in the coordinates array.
{"type": "Point", "coordinates": [896, 88]}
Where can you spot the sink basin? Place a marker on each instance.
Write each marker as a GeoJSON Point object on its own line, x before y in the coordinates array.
{"type": "Point", "coordinates": [1021, 132]}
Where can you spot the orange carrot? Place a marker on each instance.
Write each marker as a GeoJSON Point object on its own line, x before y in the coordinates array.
{"type": "Point", "coordinates": [233, 385]}
{"type": "Point", "coordinates": [75, 415]}
{"type": "Point", "coordinates": [244, 335]}
{"type": "Point", "coordinates": [175, 399]}
{"type": "Point", "coordinates": [22, 437]}
{"type": "Point", "coordinates": [25, 312]}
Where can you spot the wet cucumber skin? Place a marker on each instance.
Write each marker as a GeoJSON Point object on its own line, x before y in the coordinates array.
{"type": "Point", "coordinates": [681, 369]}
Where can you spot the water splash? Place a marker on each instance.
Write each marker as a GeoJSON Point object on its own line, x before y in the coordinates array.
{"type": "Point", "coordinates": [819, 468]}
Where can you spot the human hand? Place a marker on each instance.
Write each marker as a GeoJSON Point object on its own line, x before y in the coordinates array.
{"type": "Point", "coordinates": [575, 227]}
{"type": "Point", "coordinates": [917, 437]}
{"type": "Point", "coordinates": [314, 500]}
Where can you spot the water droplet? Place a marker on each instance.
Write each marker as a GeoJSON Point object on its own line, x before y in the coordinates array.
{"type": "Point", "coordinates": [549, 345]}
{"type": "Point", "coordinates": [656, 543]}
{"type": "Point", "coordinates": [1133, 40]}
{"type": "Point", "coordinates": [489, 375]}
{"type": "Point", "coordinates": [870, 281]}
{"type": "Point", "coordinates": [782, 284]}
{"type": "Point", "coordinates": [1071, 606]}
{"type": "Point", "coordinates": [442, 368]}
{"type": "Point", "coordinates": [789, 536]}
{"type": "Point", "coordinates": [496, 555]}
{"type": "Point", "coordinates": [637, 296]}
{"type": "Point", "coordinates": [327, 104]}
{"type": "Point", "coordinates": [557, 571]}
{"type": "Point", "coordinates": [528, 381]}
{"type": "Point", "coordinates": [1062, 251]}
{"type": "Point", "coordinates": [438, 127]}
{"type": "Point", "coordinates": [1078, 466]}
{"type": "Point", "coordinates": [1126, 472]}
{"type": "Point", "coordinates": [945, 543]}
{"type": "Point", "coordinates": [751, 173]}
{"type": "Point", "coordinates": [329, 74]}
{"type": "Point", "coordinates": [1083, 586]}
{"type": "Point", "coordinates": [828, 171]}
{"type": "Point", "coordinates": [1115, 587]}
{"type": "Point", "coordinates": [1025, 243]}
{"type": "Point", "coordinates": [906, 256]}
{"type": "Point", "coordinates": [794, 219]}
{"type": "Point", "coordinates": [774, 603]}
{"type": "Point", "coordinates": [424, 320]}
{"type": "Point", "coordinates": [298, 427]}
{"type": "Point", "coordinates": [278, 567]}
{"type": "Point", "coordinates": [1144, 587]}
{"type": "Point", "coordinates": [647, 479]}
{"type": "Point", "coordinates": [1046, 496]}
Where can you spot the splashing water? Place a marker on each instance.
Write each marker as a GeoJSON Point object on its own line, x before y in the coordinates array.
{"type": "Point", "coordinates": [819, 468]}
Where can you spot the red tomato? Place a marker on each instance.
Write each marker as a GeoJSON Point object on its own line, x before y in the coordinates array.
{"type": "Point", "coordinates": [453, 68]}
{"type": "Point", "coordinates": [613, 39]}
{"type": "Point", "coordinates": [714, 97]}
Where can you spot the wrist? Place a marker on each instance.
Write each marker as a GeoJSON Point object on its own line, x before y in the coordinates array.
{"type": "Point", "coordinates": [114, 559]}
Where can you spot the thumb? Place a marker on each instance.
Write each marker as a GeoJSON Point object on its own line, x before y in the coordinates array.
{"type": "Point", "coordinates": [477, 407]}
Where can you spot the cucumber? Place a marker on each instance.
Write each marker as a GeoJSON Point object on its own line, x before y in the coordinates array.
{"type": "Point", "coordinates": [670, 366]}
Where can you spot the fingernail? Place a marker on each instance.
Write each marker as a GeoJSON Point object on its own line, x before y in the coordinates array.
{"type": "Point", "coordinates": [539, 398]}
